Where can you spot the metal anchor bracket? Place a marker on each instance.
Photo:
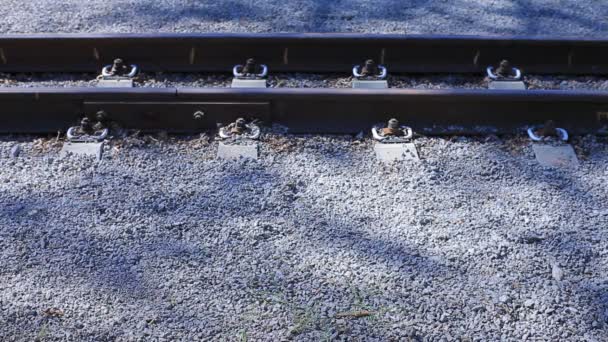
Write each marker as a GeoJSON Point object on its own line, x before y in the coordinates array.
{"type": "Point", "coordinates": [240, 129]}
{"type": "Point", "coordinates": [90, 130]}
{"type": "Point", "coordinates": [505, 77]}
{"type": "Point", "coordinates": [548, 132]}
{"type": "Point", "coordinates": [393, 142]}
{"type": "Point", "coordinates": [370, 76]}
{"type": "Point", "coordinates": [119, 74]}
{"type": "Point", "coordinates": [392, 133]}
{"type": "Point", "coordinates": [550, 148]}
{"type": "Point", "coordinates": [249, 75]}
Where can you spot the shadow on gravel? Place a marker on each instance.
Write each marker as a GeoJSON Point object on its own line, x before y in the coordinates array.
{"type": "Point", "coordinates": [520, 17]}
{"type": "Point", "coordinates": [199, 10]}
{"type": "Point", "coordinates": [271, 241]}
{"type": "Point", "coordinates": [573, 249]}
{"type": "Point", "coordinates": [531, 16]}
{"type": "Point", "coordinates": [68, 257]}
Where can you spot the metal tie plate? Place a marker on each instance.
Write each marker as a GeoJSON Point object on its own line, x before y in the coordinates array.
{"type": "Point", "coordinates": [560, 156]}
{"type": "Point", "coordinates": [396, 152]}
{"type": "Point", "coordinates": [234, 152]}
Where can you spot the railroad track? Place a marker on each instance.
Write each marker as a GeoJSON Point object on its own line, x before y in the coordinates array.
{"type": "Point", "coordinates": [320, 110]}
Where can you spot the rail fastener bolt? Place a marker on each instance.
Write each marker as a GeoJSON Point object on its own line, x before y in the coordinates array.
{"type": "Point", "coordinates": [392, 128]}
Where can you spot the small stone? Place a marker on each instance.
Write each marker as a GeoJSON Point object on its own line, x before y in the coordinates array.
{"type": "Point", "coordinates": [529, 303]}
{"type": "Point", "coordinates": [557, 272]}
{"type": "Point", "coordinates": [15, 151]}
{"type": "Point", "coordinates": [532, 239]}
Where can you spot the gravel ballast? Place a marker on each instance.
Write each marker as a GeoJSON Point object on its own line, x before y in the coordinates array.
{"type": "Point", "coordinates": [501, 17]}
{"type": "Point", "coordinates": [314, 241]}
{"type": "Point", "coordinates": [305, 80]}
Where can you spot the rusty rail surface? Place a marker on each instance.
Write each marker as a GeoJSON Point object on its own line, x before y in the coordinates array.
{"type": "Point", "coordinates": [300, 52]}
{"type": "Point", "coordinates": [188, 110]}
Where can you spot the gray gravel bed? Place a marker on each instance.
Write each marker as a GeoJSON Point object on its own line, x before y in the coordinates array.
{"type": "Point", "coordinates": [519, 17]}
{"type": "Point", "coordinates": [314, 241]}
{"type": "Point", "coordinates": [302, 80]}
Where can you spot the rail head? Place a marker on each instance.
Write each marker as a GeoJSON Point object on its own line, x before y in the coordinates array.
{"type": "Point", "coordinates": [300, 52]}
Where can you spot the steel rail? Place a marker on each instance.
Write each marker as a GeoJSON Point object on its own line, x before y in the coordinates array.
{"type": "Point", "coordinates": [188, 110]}
{"type": "Point", "coordinates": [300, 52]}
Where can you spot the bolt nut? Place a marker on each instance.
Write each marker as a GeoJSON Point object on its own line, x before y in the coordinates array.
{"type": "Point", "coordinates": [101, 116]}
{"type": "Point", "coordinates": [504, 68]}
{"type": "Point", "coordinates": [369, 68]}
{"type": "Point", "coordinates": [198, 115]}
{"type": "Point", "coordinates": [250, 66]}
{"type": "Point", "coordinates": [393, 123]}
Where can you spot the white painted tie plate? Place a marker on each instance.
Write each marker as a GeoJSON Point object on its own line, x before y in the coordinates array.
{"type": "Point", "coordinates": [93, 149]}
{"type": "Point", "coordinates": [562, 156]}
{"type": "Point", "coordinates": [507, 85]}
{"type": "Point", "coordinates": [376, 84]}
{"type": "Point", "coordinates": [238, 83]}
{"type": "Point", "coordinates": [396, 152]}
{"type": "Point", "coordinates": [232, 152]}
{"type": "Point", "coordinates": [119, 83]}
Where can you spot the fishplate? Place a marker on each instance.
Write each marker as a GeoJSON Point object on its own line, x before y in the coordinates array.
{"type": "Point", "coordinates": [178, 116]}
